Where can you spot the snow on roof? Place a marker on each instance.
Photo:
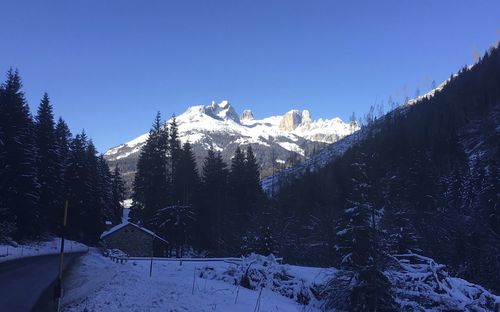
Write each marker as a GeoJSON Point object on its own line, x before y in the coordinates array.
{"type": "Point", "coordinates": [124, 224]}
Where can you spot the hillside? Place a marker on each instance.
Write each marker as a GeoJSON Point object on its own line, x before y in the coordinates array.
{"type": "Point", "coordinates": [425, 176]}
{"type": "Point", "coordinates": [330, 152]}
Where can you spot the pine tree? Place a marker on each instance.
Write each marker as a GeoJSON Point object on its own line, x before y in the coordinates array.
{"type": "Point", "coordinates": [63, 138]}
{"type": "Point", "coordinates": [6, 215]}
{"type": "Point", "coordinates": [151, 187]}
{"type": "Point", "coordinates": [176, 223]}
{"type": "Point", "coordinates": [398, 218]}
{"type": "Point", "coordinates": [187, 181]}
{"type": "Point", "coordinates": [176, 153]}
{"type": "Point", "coordinates": [41, 167]}
{"type": "Point", "coordinates": [421, 192]}
{"type": "Point", "coordinates": [237, 182]}
{"type": "Point", "coordinates": [260, 237]}
{"type": "Point", "coordinates": [88, 188]}
{"type": "Point", "coordinates": [368, 288]}
{"type": "Point", "coordinates": [118, 196]}
{"type": "Point", "coordinates": [489, 198]}
{"type": "Point", "coordinates": [76, 179]}
{"type": "Point", "coordinates": [108, 208]}
{"type": "Point", "coordinates": [18, 181]}
{"type": "Point", "coordinates": [485, 233]}
{"type": "Point", "coordinates": [252, 177]}
{"type": "Point", "coordinates": [213, 217]}
{"type": "Point", "coordinates": [48, 165]}
{"type": "Point", "coordinates": [254, 228]}
{"type": "Point", "coordinates": [238, 213]}
{"type": "Point", "coordinates": [174, 146]}
{"type": "Point", "coordinates": [356, 237]}
{"type": "Point", "coordinates": [96, 188]}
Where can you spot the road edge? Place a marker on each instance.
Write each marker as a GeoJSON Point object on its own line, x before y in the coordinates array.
{"type": "Point", "coordinates": [45, 303]}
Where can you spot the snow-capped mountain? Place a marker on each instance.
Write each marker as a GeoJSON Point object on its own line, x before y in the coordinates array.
{"type": "Point", "coordinates": [288, 138]}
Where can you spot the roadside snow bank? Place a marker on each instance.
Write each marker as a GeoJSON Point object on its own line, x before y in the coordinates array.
{"type": "Point", "coordinates": [53, 246]}
{"type": "Point", "coordinates": [255, 271]}
{"type": "Point", "coordinates": [98, 284]}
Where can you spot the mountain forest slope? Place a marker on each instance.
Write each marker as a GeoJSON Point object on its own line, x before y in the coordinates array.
{"type": "Point", "coordinates": [424, 178]}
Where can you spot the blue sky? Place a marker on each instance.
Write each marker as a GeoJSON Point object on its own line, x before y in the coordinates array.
{"type": "Point", "coordinates": [108, 66]}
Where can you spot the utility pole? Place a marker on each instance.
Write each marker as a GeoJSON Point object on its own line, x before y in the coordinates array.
{"type": "Point", "coordinates": [58, 288]}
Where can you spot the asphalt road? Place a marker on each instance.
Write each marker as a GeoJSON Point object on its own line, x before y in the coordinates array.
{"type": "Point", "coordinates": [23, 281]}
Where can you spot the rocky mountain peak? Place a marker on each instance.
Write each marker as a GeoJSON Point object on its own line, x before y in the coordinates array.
{"type": "Point", "coordinates": [291, 120]}
{"type": "Point", "coordinates": [222, 111]}
{"type": "Point", "coordinates": [306, 117]}
{"type": "Point", "coordinates": [247, 115]}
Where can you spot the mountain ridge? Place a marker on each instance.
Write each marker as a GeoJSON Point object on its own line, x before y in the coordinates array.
{"type": "Point", "coordinates": [288, 138]}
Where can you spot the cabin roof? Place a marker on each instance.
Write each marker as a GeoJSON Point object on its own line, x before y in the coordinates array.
{"type": "Point", "coordinates": [124, 224]}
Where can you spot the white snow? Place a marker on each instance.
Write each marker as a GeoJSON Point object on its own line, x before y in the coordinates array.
{"type": "Point", "coordinates": [98, 284]}
{"type": "Point", "coordinates": [421, 284]}
{"type": "Point", "coordinates": [53, 246]}
{"type": "Point", "coordinates": [127, 203]}
{"type": "Point", "coordinates": [135, 150]}
{"type": "Point", "coordinates": [292, 147]}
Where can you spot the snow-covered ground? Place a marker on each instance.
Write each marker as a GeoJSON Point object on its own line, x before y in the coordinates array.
{"type": "Point", "coordinates": [53, 246]}
{"type": "Point", "coordinates": [98, 284]}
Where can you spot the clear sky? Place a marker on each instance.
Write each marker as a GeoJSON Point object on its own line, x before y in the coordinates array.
{"type": "Point", "coordinates": [108, 66]}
